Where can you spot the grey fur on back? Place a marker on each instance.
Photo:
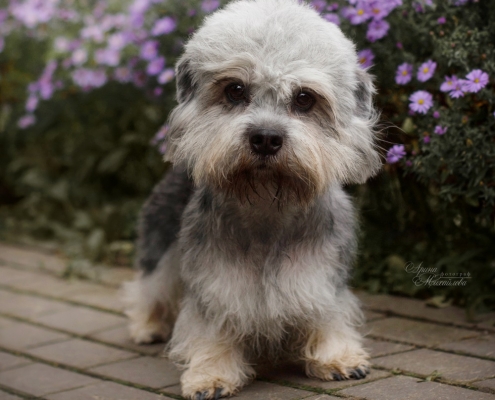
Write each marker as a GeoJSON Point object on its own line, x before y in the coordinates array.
{"type": "Point", "coordinates": [161, 216]}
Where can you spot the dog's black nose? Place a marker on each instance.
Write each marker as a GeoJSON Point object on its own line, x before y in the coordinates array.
{"type": "Point", "coordinates": [265, 142]}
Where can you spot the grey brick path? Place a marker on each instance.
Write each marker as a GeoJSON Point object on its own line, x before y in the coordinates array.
{"type": "Point", "coordinates": [67, 340]}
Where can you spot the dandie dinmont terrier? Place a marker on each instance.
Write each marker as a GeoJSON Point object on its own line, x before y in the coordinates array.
{"type": "Point", "coordinates": [246, 245]}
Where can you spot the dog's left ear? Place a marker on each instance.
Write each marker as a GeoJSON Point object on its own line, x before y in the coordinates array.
{"type": "Point", "coordinates": [185, 84]}
{"type": "Point", "coordinates": [183, 113]}
{"type": "Point", "coordinates": [364, 94]}
{"type": "Point", "coordinates": [368, 161]}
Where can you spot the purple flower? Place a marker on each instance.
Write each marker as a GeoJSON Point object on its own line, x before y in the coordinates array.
{"type": "Point", "coordinates": [379, 9]}
{"type": "Point", "coordinates": [436, 114]}
{"type": "Point", "coordinates": [93, 32]}
{"type": "Point", "coordinates": [333, 7]}
{"type": "Point", "coordinates": [319, 5]}
{"type": "Point", "coordinates": [459, 89]}
{"type": "Point", "coordinates": [166, 76]}
{"type": "Point", "coordinates": [403, 74]}
{"type": "Point", "coordinates": [441, 20]}
{"type": "Point", "coordinates": [426, 70]}
{"type": "Point", "coordinates": [62, 44]}
{"type": "Point", "coordinates": [123, 75]}
{"type": "Point", "coordinates": [440, 130]}
{"type": "Point", "coordinates": [118, 41]}
{"type": "Point", "coordinates": [358, 14]}
{"type": "Point", "coordinates": [421, 101]}
{"type": "Point", "coordinates": [79, 57]}
{"type": "Point", "coordinates": [139, 6]}
{"type": "Point", "coordinates": [366, 57]}
{"type": "Point", "coordinates": [88, 79]}
{"type": "Point", "coordinates": [110, 57]}
{"type": "Point", "coordinates": [209, 6]}
{"type": "Point", "coordinates": [399, 45]}
{"type": "Point", "coordinates": [46, 89]}
{"type": "Point", "coordinates": [449, 83]}
{"type": "Point", "coordinates": [155, 66]}
{"type": "Point", "coordinates": [160, 135]}
{"type": "Point", "coordinates": [149, 51]}
{"type": "Point", "coordinates": [333, 18]}
{"type": "Point", "coordinates": [395, 153]}
{"type": "Point", "coordinates": [26, 121]}
{"type": "Point", "coordinates": [426, 139]}
{"type": "Point", "coordinates": [475, 81]}
{"type": "Point", "coordinates": [32, 103]}
{"type": "Point", "coordinates": [164, 26]}
{"type": "Point", "coordinates": [377, 30]}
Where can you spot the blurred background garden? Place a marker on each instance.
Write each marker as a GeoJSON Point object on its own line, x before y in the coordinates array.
{"type": "Point", "coordinates": [86, 87]}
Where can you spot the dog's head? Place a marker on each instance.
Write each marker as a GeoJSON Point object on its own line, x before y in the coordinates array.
{"type": "Point", "coordinates": [272, 100]}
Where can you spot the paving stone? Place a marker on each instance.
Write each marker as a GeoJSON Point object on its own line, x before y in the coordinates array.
{"type": "Point", "coordinates": [40, 379]}
{"type": "Point", "coordinates": [82, 321]}
{"type": "Point", "coordinates": [408, 388]}
{"type": "Point", "coordinates": [120, 336]}
{"type": "Point", "coordinates": [80, 353]}
{"type": "Point", "coordinates": [27, 306]}
{"type": "Point", "coordinates": [172, 390]}
{"type": "Point", "coordinates": [295, 374]}
{"type": "Point", "coordinates": [419, 333]}
{"type": "Point", "coordinates": [371, 315]}
{"type": "Point", "coordinates": [116, 275]}
{"type": "Point", "coordinates": [101, 297]}
{"type": "Point", "coordinates": [106, 391]}
{"type": "Point", "coordinates": [31, 258]}
{"type": "Point", "coordinates": [10, 276]}
{"type": "Point", "coordinates": [487, 385]}
{"type": "Point", "coordinates": [4, 322]}
{"type": "Point", "coordinates": [19, 335]}
{"type": "Point", "coordinates": [378, 348]}
{"type": "Point", "coordinates": [9, 361]}
{"type": "Point", "coordinates": [8, 396]}
{"type": "Point", "coordinates": [322, 397]}
{"type": "Point", "coordinates": [265, 390]}
{"type": "Point", "coordinates": [152, 372]}
{"type": "Point", "coordinates": [418, 309]}
{"type": "Point", "coordinates": [449, 366]}
{"type": "Point", "coordinates": [488, 325]}
{"type": "Point", "coordinates": [483, 346]}
{"type": "Point", "coordinates": [56, 287]}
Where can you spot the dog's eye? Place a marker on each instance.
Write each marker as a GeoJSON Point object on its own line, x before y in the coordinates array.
{"type": "Point", "coordinates": [304, 101]}
{"type": "Point", "coordinates": [236, 92]}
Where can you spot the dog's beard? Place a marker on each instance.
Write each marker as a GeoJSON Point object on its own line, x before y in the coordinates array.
{"type": "Point", "coordinates": [277, 180]}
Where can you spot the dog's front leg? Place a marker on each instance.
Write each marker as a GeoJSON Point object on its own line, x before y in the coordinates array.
{"type": "Point", "coordinates": [214, 362]}
{"type": "Point", "coordinates": [334, 349]}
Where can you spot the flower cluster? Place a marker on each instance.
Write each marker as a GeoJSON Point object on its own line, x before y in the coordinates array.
{"type": "Point", "coordinates": [372, 12]}
{"type": "Point", "coordinates": [92, 47]}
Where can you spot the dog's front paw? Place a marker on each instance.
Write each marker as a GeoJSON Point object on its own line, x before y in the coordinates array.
{"type": "Point", "coordinates": [196, 386]}
{"type": "Point", "coordinates": [337, 370]}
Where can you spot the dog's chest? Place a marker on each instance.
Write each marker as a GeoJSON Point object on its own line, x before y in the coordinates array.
{"type": "Point", "coordinates": [266, 298]}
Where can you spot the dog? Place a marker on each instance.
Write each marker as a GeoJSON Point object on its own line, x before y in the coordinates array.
{"type": "Point", "coordinates": [245, 247]}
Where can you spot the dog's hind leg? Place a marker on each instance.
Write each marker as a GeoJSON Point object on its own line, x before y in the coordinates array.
{"type": "Point", "coordinates": [152, 300]}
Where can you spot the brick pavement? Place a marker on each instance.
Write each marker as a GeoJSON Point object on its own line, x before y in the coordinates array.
{"type": "Point", "coordinates": [67, 340]}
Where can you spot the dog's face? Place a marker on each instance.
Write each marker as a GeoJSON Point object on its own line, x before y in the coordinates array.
{"type": "Point", "coordinates": [272, 100]}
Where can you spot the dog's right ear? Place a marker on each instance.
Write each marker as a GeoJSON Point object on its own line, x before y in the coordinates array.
{"type": "Point", "coordinates": [185, 84]}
